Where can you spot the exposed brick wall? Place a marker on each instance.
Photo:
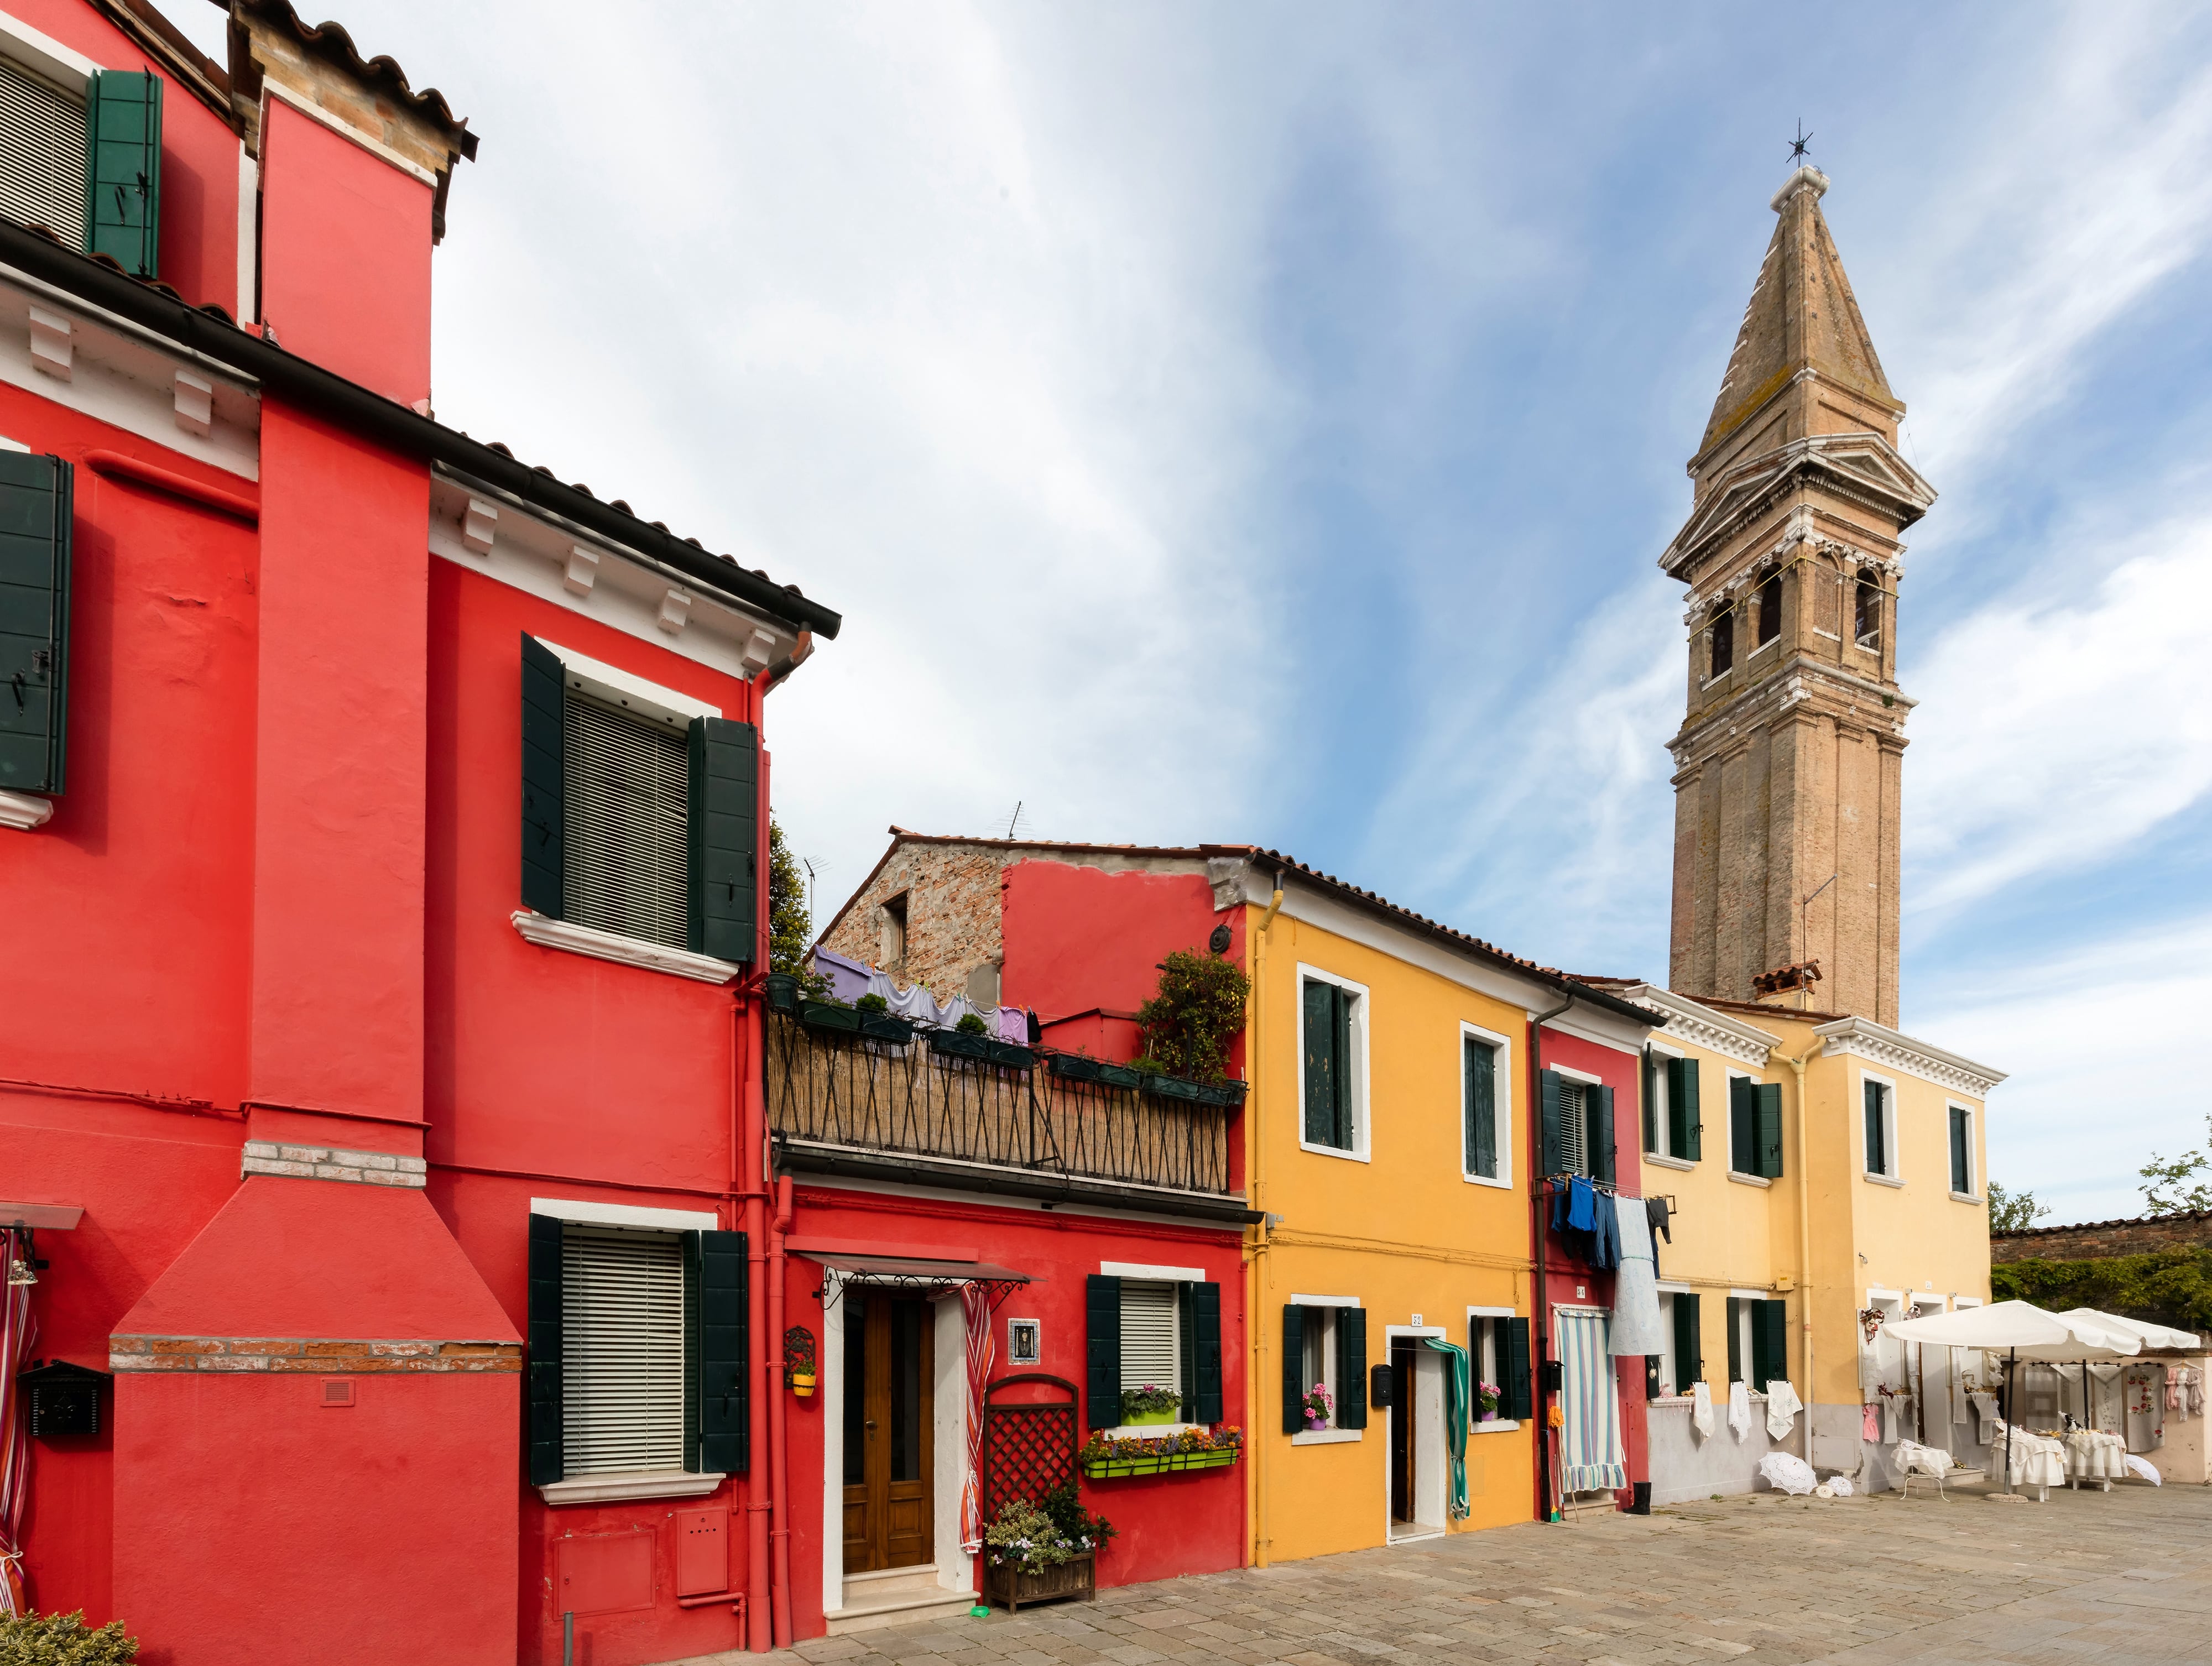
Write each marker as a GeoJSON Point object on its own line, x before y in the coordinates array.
{"type": "Point", "coordinates": [2099, 1239]}
{"type": "Point", "coordinates": [952, 914]}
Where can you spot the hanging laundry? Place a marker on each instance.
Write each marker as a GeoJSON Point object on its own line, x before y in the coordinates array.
{"type": "Point", "coordinates": [1605, 1237]}
{"type": "Point", "coordinates": [1782, 1405]}
{"type": "Point", "coordinates": [1636, 1324]}
{"type": "Point", "coordinates": [1740, 1409]}
{"type": "Point", "coordinates": [1582, 1206]}
{"type": "Point", "coordinates": [1660, 1220]}
{"type": "Point", "coordinates": [1701, 1410]}
{"type": "Point", "coordinates": [1870, 1424]}
{"type": "Point", "coordinates": [1985, 1416]}
{"type": "Point", "coordinates": [2146, 1418]}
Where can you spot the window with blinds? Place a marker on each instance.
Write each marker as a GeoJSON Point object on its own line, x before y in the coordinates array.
{"type": "Point", "coordinates": [626, 810]}
{"type": "Point", "coordinates": [42, 155]}
{"type": "Point", "coordinates": [621, 1350]}
{"type": "Point", "coordinates": [1152, 1333]}
{"type": "Point", "coordinates": [1573, 1130]}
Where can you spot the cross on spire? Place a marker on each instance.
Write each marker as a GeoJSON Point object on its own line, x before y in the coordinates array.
{"type": "Point", "coordinates": [1797, 145]}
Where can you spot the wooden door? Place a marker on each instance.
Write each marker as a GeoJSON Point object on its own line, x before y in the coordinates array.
{"type": "Point", "coordinates": [1404, 1440]}
{"type": "Point", "coordinates": [891, 1503]}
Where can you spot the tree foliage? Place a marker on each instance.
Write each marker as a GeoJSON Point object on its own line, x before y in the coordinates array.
{"type": "Point", "coordinates": [2181, 1186]}
{"type": "Point", "coordinates": [2013, 1212]}
{"type": "Point", "coordinates": [1198, 1010]}
{"type": "Point", "coordinates": [791, 925]}
{"type": "Point", "coordinates": [2167, 1286]}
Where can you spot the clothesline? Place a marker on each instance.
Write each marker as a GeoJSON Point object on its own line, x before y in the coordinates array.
{"type": "Point", "coordinates": [1612, 1189]}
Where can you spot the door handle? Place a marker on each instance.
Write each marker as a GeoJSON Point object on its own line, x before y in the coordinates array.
{"type": "Point", "coordinates": [871, 1425]}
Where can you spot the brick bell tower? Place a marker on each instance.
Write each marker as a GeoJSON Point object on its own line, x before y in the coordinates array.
{"type": "Point", "coordinates": [1790, 756]}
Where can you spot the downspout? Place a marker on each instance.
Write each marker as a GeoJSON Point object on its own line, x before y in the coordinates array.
{"type": "Point", "coordinates": [779, 1457]}
{"type": "Point", "coordinates": [1805, 1239]}
{"type": "Point", "coordinates": [1539, 1305]}
{"type": "Point", "coordinates": [753, 1143]}
{"type": "Point", "coordinates": [1255, 1309]}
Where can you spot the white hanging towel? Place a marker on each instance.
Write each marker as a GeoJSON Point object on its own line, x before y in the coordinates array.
{"type": "Point", "coordinates": [1740, 1409]}
{"type": "Point", "coordinates": [1782, 1405]}
{"type": "Point", "coordinates": [1701, 1410]}
{"type": "Point", "coordinates": [1986, 1416]}
{"type": "Point", "coordinates": [1636, 1328]}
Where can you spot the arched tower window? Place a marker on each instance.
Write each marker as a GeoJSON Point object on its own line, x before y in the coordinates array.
{"type": "Point", "coordinates": [1722, 632]}
{"type": "Point", "coordinates": [1769, 610]}
{"type": "Point", "coordinates": [1866, 620]}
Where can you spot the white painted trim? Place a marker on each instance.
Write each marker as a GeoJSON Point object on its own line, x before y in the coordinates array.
{"type": "Point", "coordinates": [1325, 1436]}
{"type": "Point", "coordinates": [249, 218]}
{"type": "Point", "coordinates": [1669, 1287]}
{"type": "Point", "coordinates": [1967, 1301]}
{"type": "Point", "coordinates": [1436, 1331]}
{"type": "Point", "coordinates": [1876, 1294]}
{"type": "Point", "coordinates": [1130, 1269]}
{"type": "Point", "coordinates": [43, 54]}
{"type": "Point", "coordinates": [25, 811]}
{"type": "Point", "coordinates": [949, 1409]}
{"type": "Point", "coordinates": [587, 1211]}
{"type": "Point", "coordinates": [626, 688]}
{"type": "Point", "coordinates": [830, 1386]}
{"type": "Point", "coordinates": [1973, 1131]}
{"type": "Point", "coordinates": [1700, 1026]}
{"type": "Point", "coordinates": [1324, 1301]}
{"type": "Point", "coordinates": [1865, 1039]}
{"type": "Point", "coordinates": [1362, 1144]}
{"type": "Point", "coordinates": [1495, 1425]}
{"type": "Point", "coordinates": [1501, 1100]}
{"type": "Point", "coordinates": [622, 950]}
{"type": "Point", "coordinates": [1681, 1163]}
{"type": "Point", "coordinates": [1890, 1134]}
{"type": "Point", "coordinates": [1882, 1180]}
{"type": "Point", "coordinates": [1965, 1197]}
{"type": "Point", "coordinates": [272, 88]}
{"type": "Point", "coordinates": [1580, 1308]}
{"type": "Point", "coordinates": [1668, 1050]}
{"type": "Point", "coordinates": [1146, 1431]}
{"type": "Point", "coordinates": [1574, 1076]}
{"type": "Point", "coordinates": [1760, 1180]}
{"type": "Point", "coordinates": [626, 1486]}
{"type": "Point", "coordinates": [1752, 1295]}
{"type": "Point", "coordinates": [1474, 1312]}
{"type": "Point", "coordinates": [1598, 1035]}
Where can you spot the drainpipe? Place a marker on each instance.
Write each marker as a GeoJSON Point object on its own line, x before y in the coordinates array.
{"type": "Point", "coordinates": [801, 651]}
{"type": "Point", "coordinates": [779, 1455]}
{"type": "Point", "coordinates": [1539, 1305]}
{"type": "Point", "coordinates": [1255, 1308]}
{"type": "Point", "coordinates": [752, 1148]}
{"type": "Point", "coordinates": [1805, 1239]}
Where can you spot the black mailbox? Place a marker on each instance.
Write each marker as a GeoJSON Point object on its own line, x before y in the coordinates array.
{"type": "Point", "coordinates": [64, 1399]}
{"type": "Point", "coordinates": [1378, 1387]}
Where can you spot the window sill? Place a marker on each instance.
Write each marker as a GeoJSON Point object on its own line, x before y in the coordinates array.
{"type": "Point", "coordinates": [1325, 1437]}
{"type": "Point", "coordinates": [630, 1484]}
{"type": "Point", "coordinates": [1487, 1180]}
{"type": "Point", "coordinates": [1496, 1425]}
{"type": "Point", "coordinates": [24, 810]}
{"type": "Point", "coordinates": [1332, 1151]}
{"type": "Point", "coordinates": [1665, 1162]}
{"type": "Point", "coordinates": [1759, 1180]}
{"type": "Point", "coordinates": [1964, 1197]}
{"type": "Point", "coordinates": [622, 950]}
{"type": "Point", "coordinates": [1882, 1180]}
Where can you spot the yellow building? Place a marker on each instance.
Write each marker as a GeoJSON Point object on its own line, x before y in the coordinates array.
{"type": "Point", "coordinates": [1821, 1168]}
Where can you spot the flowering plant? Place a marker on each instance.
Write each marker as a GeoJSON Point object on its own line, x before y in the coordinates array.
{"type": "Point", "coordinates": [1031, 1538]}
{"type": "Point", "coordinates": [1488, 1394]}
{"type": "Point", "coordinates": [1101, 1448]}
{"type": "Point", "coordinates": [1319, 1402]}
{"type": "Point", "coordinates": [1136, 1403]}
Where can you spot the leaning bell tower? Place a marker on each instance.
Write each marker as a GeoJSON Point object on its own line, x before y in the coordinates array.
{"type": "Point", "coordinates": [1788, 762]}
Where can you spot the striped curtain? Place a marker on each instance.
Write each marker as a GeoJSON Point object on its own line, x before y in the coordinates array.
{"type": "Point", "coordinates": [1590, 1455]}
{"type": "Point", "coordinates": [975, 1300]}
{"type": "Point", "coordinates": [1457, 1392]}
{"type": "Point", "coordinates": [18, 1331]}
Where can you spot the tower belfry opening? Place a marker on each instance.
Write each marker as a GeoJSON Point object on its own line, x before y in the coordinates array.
{"type": "Point", "coordinates": [1788, 761]}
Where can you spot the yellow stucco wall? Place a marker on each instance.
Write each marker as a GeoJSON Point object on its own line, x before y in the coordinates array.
{"type": "Point", "coordinates": [1403, 1230]}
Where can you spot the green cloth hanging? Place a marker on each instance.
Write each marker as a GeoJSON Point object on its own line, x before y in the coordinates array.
{"type": "Point", "coordinates": [1457, 1400]}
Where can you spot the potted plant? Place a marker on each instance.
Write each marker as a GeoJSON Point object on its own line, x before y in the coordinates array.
{"type": "Point", "coordinates": [1114, 1458]}
{"type": "Point", "coordinates": [1318, 1405]}
{"type": "Point", "coordinates": [1077, 1066]}
{"type": "Point", "coordinates": [1031, 1556]}
{"type": "Point", "coordinates": [828, 1014]}
{"type": "Point", "coordinates": [782, 991]}
{"type": "Point", "coordinates": [1150, 1404]}
{"type": "Point", "coordinates": [1120, 1075]}
{"type": "Point", "coordinates": [877, 1023]}
{"type": "Point", "coordinates": [971, 1038]}
{"type": "Point", "coordinates": [1486, 1396]}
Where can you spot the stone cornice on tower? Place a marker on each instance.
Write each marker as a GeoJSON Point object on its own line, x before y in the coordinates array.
{"type": "Point", "coordinates": [1861, 470]}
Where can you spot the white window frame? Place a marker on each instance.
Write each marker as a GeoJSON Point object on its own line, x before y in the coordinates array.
{"type": "Point", "coordinates": [43, 56]}
{"type": "Point", "coordinates": [1669, 1368]}
{"type": "Point", "coordinates": [1496, 1425]}
{"type": "Point", "coordinates": [1501, 1098]}
{"type": "Point", "coordinates": [1332, 1436]}
{"type": "Point", "coordinates": [1892, 1150]}
{"type": "Point", "coordinates": [1729, 1076]}
{"type": "Point", "coordinates": [1144, 1273]}
{"type": "Point", "coordinates": [1972, 1193]}
{"type": "Point", "coordinates": [1583, 1079]}
{"type": "Point", "coordinates": [1362, 1150]}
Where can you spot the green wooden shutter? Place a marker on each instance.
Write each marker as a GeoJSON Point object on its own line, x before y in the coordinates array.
{"type": "Point", "coordinates": [1205, 1334]}
{"type": "Point", "coordinates": [724, 839]}
{"type": "Point", "coordinates": [1321, 1063]}
{"type": "Point", "coordinates": [1682, 1109]}
{"type": "Point", "coordinates": [1294, 1368]}
{"type": "Point", "coordinates": [1767, 1098]}
{"type": "Point", "coordinates": [1518, 1400]}
{"type": "Point", "coordinates": [36, 517]}
{"type": "Point", "coordinates": [1481, 1065]}
{"type": "Point", "coordinates": [1651, 1111]}
{"type": "Point", "coordinates": [717, 1387]}
{"type": "Point", "coordinates": [1342, 1076]}
{"type": "Point", "coordinates": [1875, 1155]}
{"type": "Point", "coordinates": [1555, 1157]}
{"type": "Point", "coordinates": [1352, 1367]}
{"type": "Point", "coordinates": [1598, 1107]}
{"type": "Point", "coordinates": [1102, 1350]}
{"type": "Point", "coordinates": [1743, 1140]}
{"type": "Point", "coordinates": [1689, 1344]}
{"type": "Point", "coordinates": [1735, 1340]}
{"type": "Point", "coordinates": [544, 779]}
{"type": "Point", "coordinates": [1769, 1335]}
{"type": "Point", "coordinates": [1961, 1166]}
{"type": "Point", "coordinates": [544, 1385]}
{"type": "Point", "coordinates": [123, 168]}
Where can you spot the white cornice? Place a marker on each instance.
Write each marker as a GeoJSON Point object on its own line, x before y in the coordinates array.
{"type": "Point", "coordinates": [24, 810]}
{"type": "Point", "coordinates": [637, 1484]}
{"type": "Point", "coordinates": [1865, 1039]}
{"type": "Point", "coordinates": [1700, 1026]}
{"type": "Point", "coordinates": [623, 951]}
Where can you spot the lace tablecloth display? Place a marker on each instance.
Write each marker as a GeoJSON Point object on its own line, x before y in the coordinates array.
{"type": "Point", "coordinates": [2093, 1455]}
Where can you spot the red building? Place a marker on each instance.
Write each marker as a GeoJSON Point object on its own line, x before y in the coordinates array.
{"type": "Point", "coordinates": [380, 826]}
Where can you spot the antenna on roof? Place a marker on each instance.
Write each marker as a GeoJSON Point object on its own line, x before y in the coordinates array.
{"type": "Point", "coordinates": [1014, 821]}
{"type": "Point", "coordinates": [1797, 145]}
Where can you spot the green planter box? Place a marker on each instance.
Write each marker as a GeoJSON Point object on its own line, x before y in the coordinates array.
{"type": "Point", "coordinates": [1164, 1463]}
{"type": "Point", "coordinates": [1077, 1068]}
{"type": "Point", "coordinates": [1120, 1075]}
{"type": "Point", "coordinates": [882, 1027]}
{"type": "Point", "coordinates": [1137, 1419]}
{"type": "Point", "coordinates": [1172, 1087]}
{"type": "Point", "coordinates": [1221, 1093]}
{"type": "Point", "coordinates": [828, 1015]}
{"type": "Point", "coordinates": [985, 1048]}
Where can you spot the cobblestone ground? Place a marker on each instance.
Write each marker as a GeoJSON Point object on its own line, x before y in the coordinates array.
{"type": "Point", "coordinates": [2109, 1578]}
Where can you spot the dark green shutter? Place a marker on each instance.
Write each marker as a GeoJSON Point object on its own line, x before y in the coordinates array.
{"type": "Point", "coordinates": [1682, 1108]}
{"type": "Point", "coordinates": [1102, 1350]}
{"type": "Point", "coordinates": [1352, 1367]}
{"type": "Point", "coordinates": [1518, 1403]}
{"type": "Point", "coordinates": [1651, 1111]}
{"type": "Point", "coordinates": [123, 168]}
{"type": "Point", "coordinates": [1743, 1140]}
{"type": "Point", "coordinates": [1689, 1346]}
{"type": "Point", "coordinates": [544, 779]}
{"type": "Point", "coordinates": [543, 1383]}
{"type": "Point", "coordinates": [724, 838]}
{"type": "Point", "coordinates": [1735, 1340]}
{"type": "Point", "coordinates": [717, 1387]}
{"type": "Point", "coordinates": [1555, 1157]}
{"type": "Point", "coordinates": [1598, 1108]}
{"type": "Point", "coordinates": [1482, 1108]}
{"type": "Point", "coordinates": [1205, 1346]}
{"type": "Point", "coordinates": [1769, 1342]}
{"type": "Point", "coordinates": [1874, 1163]}
{"type": "Point", "coordinates": [1342, 1076]}
{"type": "Point", "coordinates": [34, 604]}
{"type": "Point", "coordinates": [1961, 1167]}
{"type": "Point", "coordinates": [1767, 1097]}
{"type": "Point", "coordinates": [1294, 1368]}
{"type": "Point", "coordinates": [1321, 1063]}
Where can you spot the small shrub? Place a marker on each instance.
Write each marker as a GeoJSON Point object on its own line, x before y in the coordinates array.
{"type": "Point", "coordinates": [872, 1004]}
{"type": "Point", "coordinates": [64, 1639]}
{"type": "Point", "coordinates": [1197, 1013]}
{"type": "Point", "coordinates": [1085, 1531]}
{"type": "Point", "coordinates": [971, 1024]}
{"type": "Point", "coordinates": [1140, 1402]}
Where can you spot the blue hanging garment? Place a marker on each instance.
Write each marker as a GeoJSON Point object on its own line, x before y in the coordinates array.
{"type": "Point", "coordinates": [1582, 1206]}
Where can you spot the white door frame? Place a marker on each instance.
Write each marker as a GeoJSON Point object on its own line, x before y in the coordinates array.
{"type": "Point", "coordinates": [1430, 1501]}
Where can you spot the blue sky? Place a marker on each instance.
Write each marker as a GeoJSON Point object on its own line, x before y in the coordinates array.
{"type": "Point", "coordinates": [1260, 422]}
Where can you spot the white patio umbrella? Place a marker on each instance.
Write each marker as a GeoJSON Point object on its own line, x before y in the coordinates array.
{"type": "Point", "coordinates": [2020, 1330]}
{"type": "Point", "coordinates": [2150, 1335]}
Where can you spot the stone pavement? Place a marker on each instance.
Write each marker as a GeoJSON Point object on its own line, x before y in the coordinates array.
{"type": "Point", "coordinates": [2113, 1578]}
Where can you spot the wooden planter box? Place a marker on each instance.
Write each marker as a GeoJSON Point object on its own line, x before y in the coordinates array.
{"type": "Point", "coordinates": [1114, 1468]}
{"type": "Point", "coordinates": [1077, 1577]}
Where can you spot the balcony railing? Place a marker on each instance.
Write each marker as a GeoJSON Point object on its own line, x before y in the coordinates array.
{"type": "Point", "coordinates": [832, 1090]}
